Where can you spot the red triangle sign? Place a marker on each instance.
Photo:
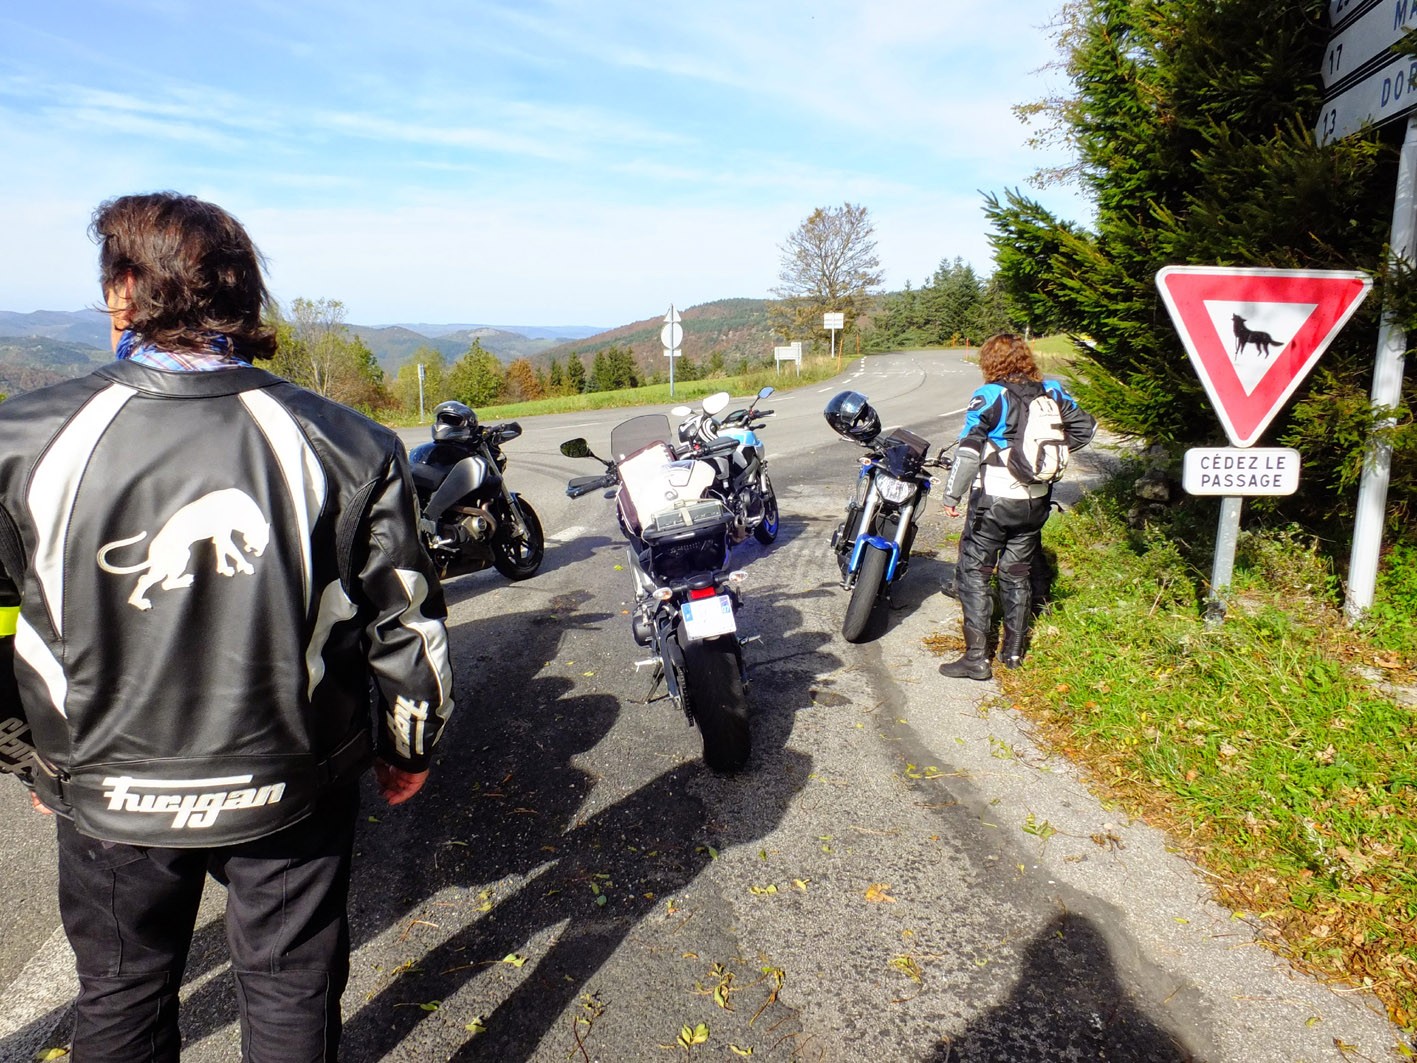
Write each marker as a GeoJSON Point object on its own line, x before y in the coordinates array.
{"type": "Point", "coordinates": [1254, 334]}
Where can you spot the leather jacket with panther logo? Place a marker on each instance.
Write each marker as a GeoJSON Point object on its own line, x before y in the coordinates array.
{"type": "Point", "coordinates": [210, 569]}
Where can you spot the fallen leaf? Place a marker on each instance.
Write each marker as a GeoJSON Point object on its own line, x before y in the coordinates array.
{"type": "Point", "coordinates": [762, 889]}
{"type": "Point", "coordinates": [740, 1051]}
{"type": "Point", "coordinates": [476, 1026]}
{"type": "Point", "coordinates": [514, 959]}
{"type": "Point", "coordinates": [876, 893]}
{"type": "Point", "coordinates": [587, 673]}
{"type": "Point", "coordinates": [1327, 755]}
{"type": "Point", "coordinates": [908, 967]}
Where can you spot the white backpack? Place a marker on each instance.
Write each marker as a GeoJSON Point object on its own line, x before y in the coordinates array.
{"type": "Point", "coordinates": [1038, 449]}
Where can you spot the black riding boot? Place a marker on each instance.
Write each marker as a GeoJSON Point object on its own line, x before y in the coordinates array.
{"type": "Point", "coordinates": [1016, 598]}
{"type": "Point", "coordinates": [975, 662]}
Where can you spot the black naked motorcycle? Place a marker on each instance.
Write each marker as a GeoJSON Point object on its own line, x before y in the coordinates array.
{"type": "Point", "coordinates": [686, 599]}
{"type": "Point", "coordinates": [743, 482]}
{"type": "Point", "coordinates": [873, 543]}
{"type": "Point", "coordinates": [469, 517]}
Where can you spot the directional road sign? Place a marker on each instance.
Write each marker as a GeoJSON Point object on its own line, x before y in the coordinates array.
{"type": "Point", "coordinates": [672, 335]}
{"type": "Point", "coordinates": [1254, 334]}
{"type": "Point", "coordinates": [1388, 92]}
{"type": "Point", "coordinates": [1366, 38]}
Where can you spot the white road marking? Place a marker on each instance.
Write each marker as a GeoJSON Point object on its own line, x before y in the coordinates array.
{"type": "Point", "coordinates": [46, 982]}
{"type": "Point", "coordinates": [566, 535]}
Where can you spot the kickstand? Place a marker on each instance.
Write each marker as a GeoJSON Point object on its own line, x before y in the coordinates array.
{"type": "Point", "coordinates": [654, 685]}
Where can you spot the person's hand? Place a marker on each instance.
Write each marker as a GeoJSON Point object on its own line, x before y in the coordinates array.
{"type": "Point", "coordinates": [953, 511]}
{"type": "Point", "coordinates": [396, 785]}
{"type": "Point", "coordinates": [40, 806]}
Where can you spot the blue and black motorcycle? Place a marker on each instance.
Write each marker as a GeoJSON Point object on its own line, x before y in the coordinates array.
{"type": "Point", "coordinates": [873, 543]}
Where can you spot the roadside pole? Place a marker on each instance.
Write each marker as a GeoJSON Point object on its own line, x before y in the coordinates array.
{"type": "Point", "coordinates": [1371, 511]}
{"type": "Point", "coordinates": [421, 372]}
{"type": "Point", "coordinates": [671, 335]}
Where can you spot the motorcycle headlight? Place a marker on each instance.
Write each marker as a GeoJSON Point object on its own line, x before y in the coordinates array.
{"type": "Point", "coordinates": [893, 490]}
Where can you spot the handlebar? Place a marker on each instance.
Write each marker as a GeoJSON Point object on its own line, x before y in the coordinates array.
{"type": "Point", "coordinates": [584, 485]}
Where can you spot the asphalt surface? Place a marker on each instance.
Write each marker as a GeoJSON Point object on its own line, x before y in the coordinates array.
{"type": "Point", "coordinates": [899, 874]}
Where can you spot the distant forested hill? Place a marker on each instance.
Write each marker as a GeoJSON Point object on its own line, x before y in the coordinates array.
{"type": "Point", "coordinates": [29, 362]}
{"type": "Point", "coordinates": [393, 345]}
{"type": "Point", "coordinates": [737, 327]}
{"type": "Point", "coordinates": [83, 327]}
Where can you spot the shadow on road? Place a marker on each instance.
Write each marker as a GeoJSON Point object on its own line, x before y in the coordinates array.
{"type": "Point", "coordinates": [1068, 1004]}
{"type": "Point", "coordinates": [506, 841]}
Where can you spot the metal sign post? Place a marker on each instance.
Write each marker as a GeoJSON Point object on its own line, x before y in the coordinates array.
{"type": "Point", "coordinates": [1366, 84]}
{"type": "Point", "coordinates": [421, 373]}
{"type": "Point", "coordinates": [671, 335]}
{"type": "Point", "coordinates": [1371, 509]}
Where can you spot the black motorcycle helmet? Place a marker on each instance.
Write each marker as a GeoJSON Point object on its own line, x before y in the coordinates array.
{"type": "Point", "coordinates": [453, 422]}
{"type": "Point", "coordinates": [850, 415]}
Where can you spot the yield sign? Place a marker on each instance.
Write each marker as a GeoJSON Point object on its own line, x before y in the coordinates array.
{"type": "Point", "coordinates": [1254, 334]}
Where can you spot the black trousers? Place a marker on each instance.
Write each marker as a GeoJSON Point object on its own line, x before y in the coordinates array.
{"type": "Point", "coordinates": [129, 912]}
{"type": "Point", "coordinates": [1001, 537]}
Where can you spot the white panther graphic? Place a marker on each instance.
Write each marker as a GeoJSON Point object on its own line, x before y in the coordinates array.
{"type": "Point", "coordinates": [216, 516]}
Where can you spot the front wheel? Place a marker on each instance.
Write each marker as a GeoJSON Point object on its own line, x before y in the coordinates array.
{"type": "Point", "coordinates": [712, 688]}
{"type": "Point", "coordinates": [766, 531]}
{"type": "Point", "coordinates": [865, 594]}
{"type": "Point", "coordinates": [517, 553]}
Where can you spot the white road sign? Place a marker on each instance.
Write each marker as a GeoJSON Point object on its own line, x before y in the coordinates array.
{"type": "Point", "coordinates": [671, 335]}
{"type": "Point", "coordinates": [1365, 38]}
{"type": "Point", "coordinates": [1236, 471]}
{"type": "Point", "coordinates": [1340, 11]}
{"type": "Point", "coordinates": [833, 321]}
{"type": "Point", "coordinates": [673, 315]}
{"type": "Point", "coordinates": [1387, 93]}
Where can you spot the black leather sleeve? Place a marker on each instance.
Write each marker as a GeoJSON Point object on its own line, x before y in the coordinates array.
{"type": "Point", "coordinates": [408, 644]}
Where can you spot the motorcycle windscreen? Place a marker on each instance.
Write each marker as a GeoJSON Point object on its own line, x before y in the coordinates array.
{"type": "Point", "coordinates": [638, 433]}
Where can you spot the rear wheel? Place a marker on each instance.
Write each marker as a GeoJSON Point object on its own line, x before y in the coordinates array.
{"type": "Point", "coordinates": [766, 531]}
{"type": "Point", "coordinates": [865, 595]}
{"type": "Point", "coordinates": [713, 692]}
{"type": "Point", "coordinates": [516, 553]}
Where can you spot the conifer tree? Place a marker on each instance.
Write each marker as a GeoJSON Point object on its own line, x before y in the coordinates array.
{"type": "Point", "coordinates": [1193, 136]}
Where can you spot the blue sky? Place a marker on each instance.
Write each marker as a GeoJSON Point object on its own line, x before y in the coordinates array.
{"type": "Point", "coordinates": [532, 162]}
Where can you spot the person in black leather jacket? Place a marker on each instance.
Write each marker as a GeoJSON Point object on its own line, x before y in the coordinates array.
{"type": "Point", "coordinates": [218, 614]}
{"type": "Point", "coordinates": [1003, 529]}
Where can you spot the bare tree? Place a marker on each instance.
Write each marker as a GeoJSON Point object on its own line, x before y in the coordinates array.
{"type": "Point", "coordinates": [829, 264]}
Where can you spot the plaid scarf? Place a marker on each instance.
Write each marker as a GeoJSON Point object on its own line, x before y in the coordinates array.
{"type": "Point", "coordinates": [219, 353]}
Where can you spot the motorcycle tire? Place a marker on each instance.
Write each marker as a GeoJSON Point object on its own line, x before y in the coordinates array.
{"type": "Point", "coordinates": [713, 691]}
{"type": "Point", "coordinates": [866, 595]}
{"type": "Point", "coordinates": [766, 531]}
{"type": "Point", "coordinates": [519, 559]}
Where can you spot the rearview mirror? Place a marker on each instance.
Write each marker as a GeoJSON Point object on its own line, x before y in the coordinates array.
{"type": "Point", "coordinates": [576, 448]}
{"type": "Point", "coordinates": [768, 390]}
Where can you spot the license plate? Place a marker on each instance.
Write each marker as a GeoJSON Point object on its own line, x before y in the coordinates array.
{"type": "Point", "coordinates": [709, 617]}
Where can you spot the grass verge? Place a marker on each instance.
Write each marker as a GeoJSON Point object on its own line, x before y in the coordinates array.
{"type": "Point", "coordinates": [1266, 747]}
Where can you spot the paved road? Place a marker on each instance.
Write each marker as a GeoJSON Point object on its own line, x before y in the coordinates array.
{"type": "Point", "coordinates": [878, 885]}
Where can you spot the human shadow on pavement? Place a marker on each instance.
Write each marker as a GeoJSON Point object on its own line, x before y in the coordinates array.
{"type": "Point", "coordinates": [503, 844]}
{"type": "Point", "coordinates": [1068, 1004]}
{"type": "Point", "coordinates": [522, 818]}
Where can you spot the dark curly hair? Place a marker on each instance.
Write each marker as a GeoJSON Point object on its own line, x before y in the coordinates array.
{"type": "Point", "coordinates": [192, 268]}
{"type": "Point", "coordinates": [1007, 355]}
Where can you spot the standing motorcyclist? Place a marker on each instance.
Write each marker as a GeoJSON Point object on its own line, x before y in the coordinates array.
{"type": "Point", "coordinates": [1006, 517]}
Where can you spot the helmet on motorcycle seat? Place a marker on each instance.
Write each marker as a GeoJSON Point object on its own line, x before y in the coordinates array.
{"type": "Point", "coordinates": [453, 421]}
{"type": "Point", "coordinates": [850, 415]}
